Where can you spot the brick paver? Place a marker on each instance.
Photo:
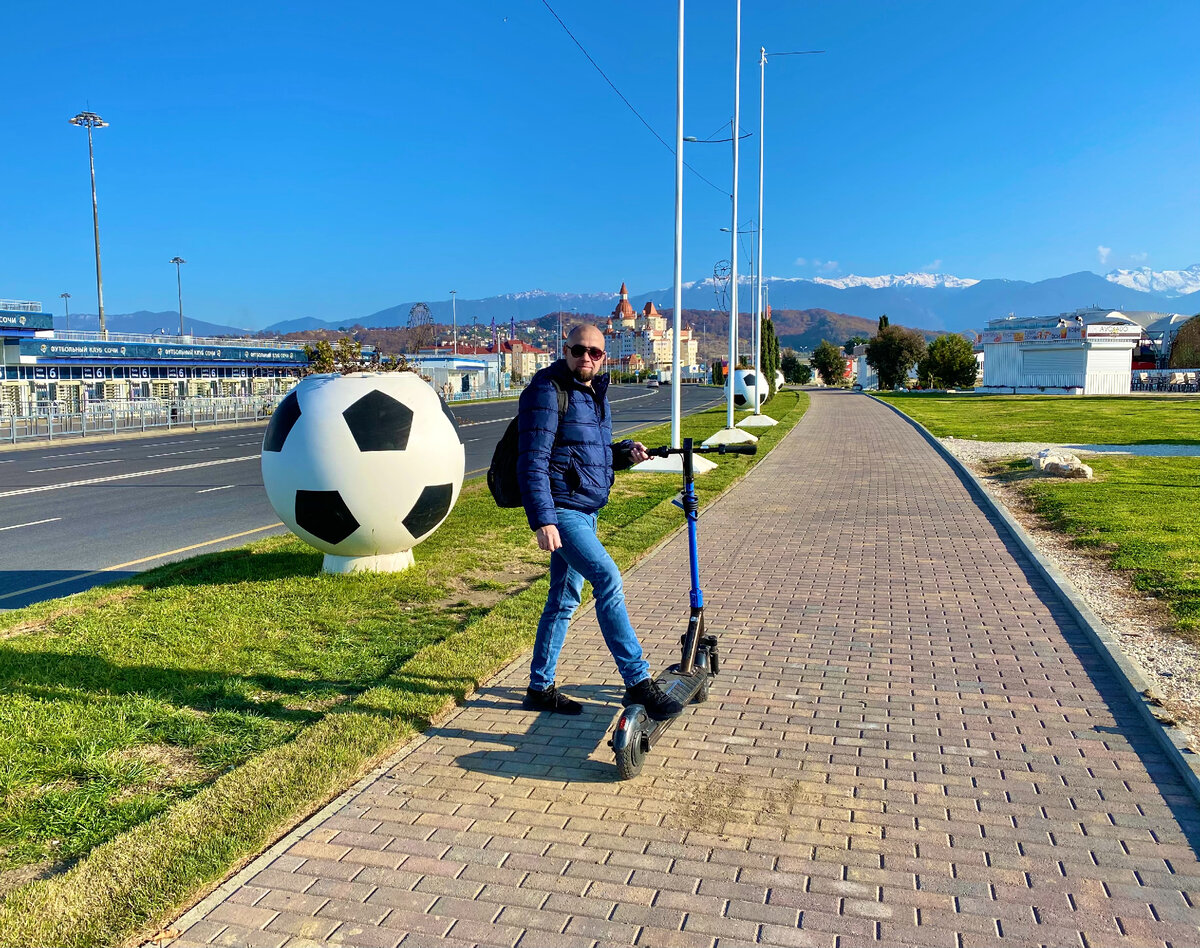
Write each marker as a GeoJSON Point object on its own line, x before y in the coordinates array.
{"type": "Point", "coordinates": [910, 742]}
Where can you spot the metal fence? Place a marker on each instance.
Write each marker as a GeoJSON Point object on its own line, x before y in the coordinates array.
{"type": "Point", "coordinates": [111, 418]}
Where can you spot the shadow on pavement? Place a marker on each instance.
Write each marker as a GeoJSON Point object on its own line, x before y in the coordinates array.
{"type": "Point", "coordinates": [551, 747]}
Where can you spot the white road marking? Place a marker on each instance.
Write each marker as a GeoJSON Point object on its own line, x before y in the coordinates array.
{"type": "Point", "coordinates": [121, 477]}
{"type": "Point", "coordinates": [209, 490]}
{"type": "Point", "coordinates": [67, 467]}
{"type": "Point", "coordinates": [32, 523]}
{"type": "Point", "coordinates": [78, 454]}
{"type": "Point", "coordinates": [170, 454]}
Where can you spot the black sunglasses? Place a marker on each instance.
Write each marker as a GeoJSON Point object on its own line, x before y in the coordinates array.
{"type": "Point", "coordinates": [578, 351]}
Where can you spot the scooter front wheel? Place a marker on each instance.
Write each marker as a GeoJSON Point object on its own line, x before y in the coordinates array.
{"type": "Point", "coordinates": [629, 742]}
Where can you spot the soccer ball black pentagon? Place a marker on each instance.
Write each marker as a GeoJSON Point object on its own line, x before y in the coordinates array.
{"type": "Point", "coordinates": [363, 464]}
{"type": "Point", "coordinates": [743, 388]}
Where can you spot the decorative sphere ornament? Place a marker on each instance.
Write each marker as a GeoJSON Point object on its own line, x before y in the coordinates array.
{"type": "Point", "coordinates": [743, 388]}
{"type": "Point", "coordinates": [778, 380]}
{"type": "Point", "coordinates": [363, 466]}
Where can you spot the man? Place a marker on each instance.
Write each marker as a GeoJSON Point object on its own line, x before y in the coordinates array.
{"type": "Point", "coordinates": [565, 468]}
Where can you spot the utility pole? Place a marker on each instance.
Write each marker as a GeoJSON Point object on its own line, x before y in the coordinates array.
{"type": "Point", "coordinates": [454, 317]}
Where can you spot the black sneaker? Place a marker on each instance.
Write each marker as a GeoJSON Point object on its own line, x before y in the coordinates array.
{"type": "Point", "coordinates": [551, 700]}
{"type": "Point", "coordinates": [649, 694]}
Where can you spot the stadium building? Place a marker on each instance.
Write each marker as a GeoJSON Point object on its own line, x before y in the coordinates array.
{"type": "Point", "coordinates": [69, 370]}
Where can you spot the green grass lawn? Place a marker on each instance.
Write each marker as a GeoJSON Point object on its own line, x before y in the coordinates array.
{"type": "Point", "coordinates": [155, 732]}
{"type": "Point", "coordinates": [1057, 418]}
{"type": "Point", "coordinates": [1144, 513]}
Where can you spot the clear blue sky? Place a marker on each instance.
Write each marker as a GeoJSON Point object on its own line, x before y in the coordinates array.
{"type": "Point", "coordinates": [334, 159]}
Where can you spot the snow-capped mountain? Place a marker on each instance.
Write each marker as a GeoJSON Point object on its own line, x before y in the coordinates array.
{"type": "Point", "coordinates": [1170, 282]}
{"type": "Point", "coordinates": [926, 280]}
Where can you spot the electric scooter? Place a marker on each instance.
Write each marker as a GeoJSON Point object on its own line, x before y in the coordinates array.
{"type": "Point", "coordinates": [688, 680]}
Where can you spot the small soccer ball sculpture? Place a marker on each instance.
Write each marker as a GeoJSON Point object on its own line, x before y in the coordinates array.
{"type": "Point", "coordinates": [743, 388]}
{"type": "Point", "coordinates": [363, 467]}
{"type": "Point", "coordinates": [778, 380]}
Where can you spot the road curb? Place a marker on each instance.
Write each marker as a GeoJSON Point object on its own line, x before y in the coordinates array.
{"type": "Point", "coordinates": [1130, 679]}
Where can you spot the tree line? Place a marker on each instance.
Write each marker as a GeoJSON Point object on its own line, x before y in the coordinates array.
{"type": "Point", "coordinates": [894, 351]}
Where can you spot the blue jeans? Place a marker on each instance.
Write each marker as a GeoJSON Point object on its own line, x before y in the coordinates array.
{"type": "Point", "coordinates": [582, 556]}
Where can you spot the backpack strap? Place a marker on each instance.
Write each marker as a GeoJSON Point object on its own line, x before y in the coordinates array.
{"type": "Point", "coordinates": [563, 399]}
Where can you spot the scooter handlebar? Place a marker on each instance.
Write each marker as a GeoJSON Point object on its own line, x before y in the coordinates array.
{"type": "Point", "coordinates": [667, 450]}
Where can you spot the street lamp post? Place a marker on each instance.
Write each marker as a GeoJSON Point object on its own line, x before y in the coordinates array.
{"type": "Point", "coordinates": [66, 298]}
{"type": "Point", "coordinates": [454, 318]}
{"type": "Point", "coordinates": [179, 286]}
{"type": "Point", "coordinates": [90, 120]}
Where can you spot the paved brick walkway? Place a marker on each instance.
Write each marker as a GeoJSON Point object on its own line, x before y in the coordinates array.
{"type": "Point", "coordinates": [909, 743]}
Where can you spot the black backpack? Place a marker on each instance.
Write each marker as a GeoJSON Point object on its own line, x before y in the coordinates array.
{"type": "Point", "coordinates": [502, 475]}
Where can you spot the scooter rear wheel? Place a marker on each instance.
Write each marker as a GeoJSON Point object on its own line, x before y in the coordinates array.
{"type": "Point", "coordinates": [629, 742]}
{"type": "Point", "coordinates": [630, 759]}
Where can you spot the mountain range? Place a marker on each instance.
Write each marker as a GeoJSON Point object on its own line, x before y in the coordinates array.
{"type": "Point", "coordinates": [931, 301]}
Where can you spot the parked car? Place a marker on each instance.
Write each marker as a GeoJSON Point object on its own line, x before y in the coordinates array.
{"type": "Point", "coordinates": [653, 383]}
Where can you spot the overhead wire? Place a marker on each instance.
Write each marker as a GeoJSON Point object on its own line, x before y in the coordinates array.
{"type": "Point", "coordinates": [628, 104]}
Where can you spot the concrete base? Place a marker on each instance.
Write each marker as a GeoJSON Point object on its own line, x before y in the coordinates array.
{"type": "Point", "coordinates": [732, 436]}
{"type": "Point", "coordinates": [380, 563]}
{"type": "Point", "coordinates": [757, 421]}
{"type": "Point", "coordinates": [673, 465]}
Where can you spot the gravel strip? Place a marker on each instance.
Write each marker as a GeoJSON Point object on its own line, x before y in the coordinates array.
{"type": "Point", "coordinates": [1140, 622]}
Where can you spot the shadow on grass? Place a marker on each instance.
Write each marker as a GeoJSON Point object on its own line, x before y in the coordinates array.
{"type": "Point", "coordinates": [58, 676]}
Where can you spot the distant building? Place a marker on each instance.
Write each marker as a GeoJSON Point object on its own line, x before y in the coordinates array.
{"type": "Point", "coordinates": [648, 335]}
{"type": "Point", "coordinates": [40, 366]}
{"type": "Point", "coordinates": [1086, 352]}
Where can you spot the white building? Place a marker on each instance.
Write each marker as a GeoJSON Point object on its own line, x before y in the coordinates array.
{"type": "Point", "coordinates": [647, 335]}
{"type": "Point", "coordinates": [865, 376]}
{"type": "Point", "coordinates": [1087, 352]}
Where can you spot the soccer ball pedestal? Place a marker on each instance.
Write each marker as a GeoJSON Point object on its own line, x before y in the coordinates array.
{"type": "Point", "coordinates": [363, 467]}
{"type": "Point", "coordinates": [730, 436]}
{"type": "Point", "coordinates": [757, 421]}
{"type": "Point", "coordinates": [382, 563]}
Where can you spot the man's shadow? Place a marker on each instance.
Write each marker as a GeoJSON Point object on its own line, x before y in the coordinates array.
{"type": "Point", "coordinates": [537, 744]}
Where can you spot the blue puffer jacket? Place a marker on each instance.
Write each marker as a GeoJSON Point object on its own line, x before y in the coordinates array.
{"type": "Point", "coordinates": [569, 464]}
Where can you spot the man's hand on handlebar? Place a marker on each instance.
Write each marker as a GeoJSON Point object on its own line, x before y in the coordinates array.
{"type": "Point", "coordinates": [638, 453]}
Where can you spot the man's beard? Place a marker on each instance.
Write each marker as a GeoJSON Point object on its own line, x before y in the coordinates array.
{"type": "Point", "coordinates": [584, 374]}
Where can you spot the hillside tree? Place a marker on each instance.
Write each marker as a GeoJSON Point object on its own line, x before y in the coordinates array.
{"type": "Point", "coordinates": [830, 362]}
{"type": "Point", "coordinates": [853, 341]}
{"type": "Point", "coordinates": [949, 362]}
{"type": "Point", "coordinates": [794, 371]}
{"type": "Point", "coordinates": [892, 352]}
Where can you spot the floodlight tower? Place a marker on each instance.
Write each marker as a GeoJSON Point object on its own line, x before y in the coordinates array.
{"type": "Point", "coordinates": [90, 120]}
{"type": "Point", "coordinates": [66, 298]}
{"type": "Point", "coordinates": [179, 286]}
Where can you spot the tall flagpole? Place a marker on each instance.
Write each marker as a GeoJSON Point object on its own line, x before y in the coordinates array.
{"type": "Point", "coordinates": [677, 315]}
{"type": "Point", "coordinates": [758, 302]}
{"type": "Point", "coordinates": [733, 227]}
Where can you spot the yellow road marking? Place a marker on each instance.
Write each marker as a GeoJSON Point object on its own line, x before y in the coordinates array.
{"type": "Point", "coordinates": [144, 559]}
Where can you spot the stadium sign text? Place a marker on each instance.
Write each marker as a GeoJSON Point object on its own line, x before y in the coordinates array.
{"type": "Point", "coordinates": [77, 349]}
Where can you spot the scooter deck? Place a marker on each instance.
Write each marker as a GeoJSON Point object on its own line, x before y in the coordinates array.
{"type": "Point", "coordinates": [677, 685]}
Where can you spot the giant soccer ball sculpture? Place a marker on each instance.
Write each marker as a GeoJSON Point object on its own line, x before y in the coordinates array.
{"type": "Point", "coordinates": [363, 467]}
{"type": "Point", "coordinates": [743, 388]}
{"type": "Point", "coordinates": [779, 380]}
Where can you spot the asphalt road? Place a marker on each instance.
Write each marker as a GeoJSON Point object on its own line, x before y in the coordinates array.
{"type": "Point", "coordinates": [74, 514]}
